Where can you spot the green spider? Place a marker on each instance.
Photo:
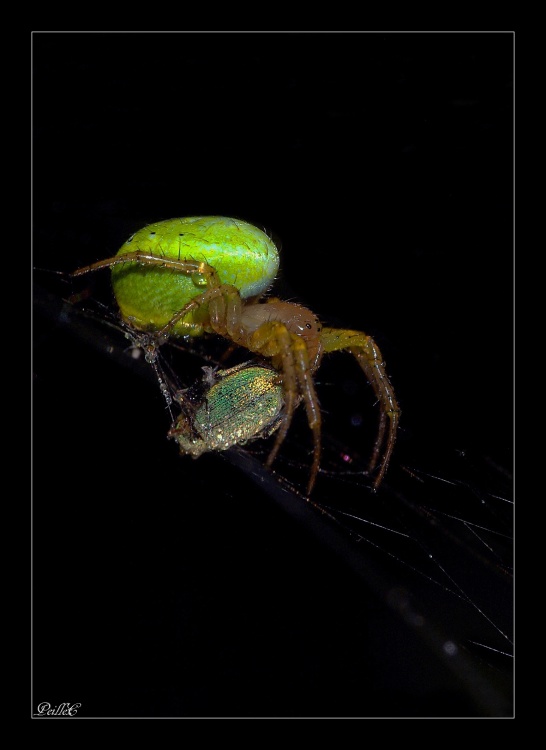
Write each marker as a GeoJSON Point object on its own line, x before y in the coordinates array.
{"type": "Point", "coordinates": [208, 274]}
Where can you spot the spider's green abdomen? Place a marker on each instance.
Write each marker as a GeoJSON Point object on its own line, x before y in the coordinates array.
{"type": "Point", "coordinates": [149, 295]}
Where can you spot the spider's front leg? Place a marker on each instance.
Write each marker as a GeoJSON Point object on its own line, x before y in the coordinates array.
{"type": "Point", "coordinates": [148, 296]}
{"type": "Point", "coordinates": [370, 359]}
{"type": "Point", "coordinates": [223, 316]}
{"type": "Point", "coordinates": [223, 300]}
{"type": "Point", "coordinates": [186, 267]}
{"type": "Point", "coordinates": [289, 356]}
{"type": "Point", "coordinates": [289, 335]}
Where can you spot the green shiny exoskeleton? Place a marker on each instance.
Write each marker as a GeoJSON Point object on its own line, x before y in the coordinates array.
{"type": "Point", "coordinates": [241, 403]}
{"type": "Point", "coordinates": [149, 295]}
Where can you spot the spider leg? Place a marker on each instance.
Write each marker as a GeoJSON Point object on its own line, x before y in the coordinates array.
{"type": "Point", "coordinates": [290, 356]}
{"type": "Point", "coordinates": [224, 299]}
{"type": "Point", "coordinates": [233, 309]}
{"type": "Point", "coordinates": [310, 399]}
{"type": "Point", "coordinates": [187, 267]}
{"type": "Point", "coordinates": [273, 339]}
{"type": "Point", "coordinates": [216, 297]}
{"type": "Point", "coordinates": [367, 353]}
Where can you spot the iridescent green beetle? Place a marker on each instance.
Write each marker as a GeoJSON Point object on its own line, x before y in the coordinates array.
{"type": "Point", "coordinates": [209, 274]}
{"type": "Point", "coordinates": [236, 405]}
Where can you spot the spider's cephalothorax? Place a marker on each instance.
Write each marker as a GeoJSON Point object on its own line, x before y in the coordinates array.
{"type": "Point", "coordinates": [209, 274]}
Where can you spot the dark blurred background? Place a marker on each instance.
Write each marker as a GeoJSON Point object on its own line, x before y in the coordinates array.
{"type": "Point", "coordinates": [384, 163]}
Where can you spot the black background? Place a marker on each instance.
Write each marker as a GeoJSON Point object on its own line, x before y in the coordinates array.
{"type": "Point", "coordinates": [383, 162]}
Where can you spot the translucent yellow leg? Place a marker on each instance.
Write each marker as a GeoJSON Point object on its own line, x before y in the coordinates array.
{"type": "Point", "coordinates": [188, 267]}
{"type": "Point", "coordinates": [370, 359]}
{"type": "Point", "coordinates": [290, 357]}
